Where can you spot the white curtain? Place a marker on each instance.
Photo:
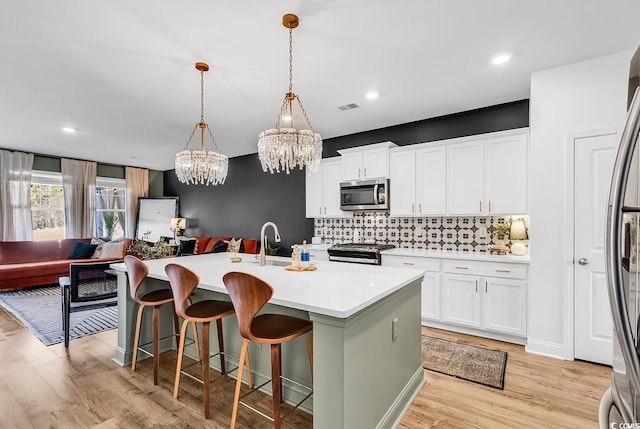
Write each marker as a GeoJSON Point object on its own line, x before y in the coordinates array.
{"type": "Point", "coordinates": [137, 180]}
{"type": "Point", "coordinates": [15, 196]}
{"type": "Point", "coordinates": [79, 184]}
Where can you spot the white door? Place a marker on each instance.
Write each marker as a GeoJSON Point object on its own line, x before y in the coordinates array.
{"type": "Point", "coordinates": [313, 193]}
{"type": "Point", "coordinates": [375, 163]}
{"type": "Point", "coordinates": [505, 306]}
{"type": "Point", "coordinates": [593, 325]}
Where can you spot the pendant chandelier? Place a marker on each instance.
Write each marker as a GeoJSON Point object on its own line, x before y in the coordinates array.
{"type": "Point", "coordinates": [283, 149]}
{"type": "Point", "coordinates": [200, 166]}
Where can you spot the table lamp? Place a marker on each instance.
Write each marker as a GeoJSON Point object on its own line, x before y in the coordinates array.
{"type": "Point", "coordinates": [177, 224]}
{"type": "Point", "coordinates": [518, 232]}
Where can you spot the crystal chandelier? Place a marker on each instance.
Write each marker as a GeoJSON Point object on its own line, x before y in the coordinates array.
{"type": "Point", "coordinates": [283, 149]}
{"type": "Point", "coordinates": [200, 166]}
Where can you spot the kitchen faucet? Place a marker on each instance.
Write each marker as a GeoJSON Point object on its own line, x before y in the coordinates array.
{"type": "Point", "coordinates": [263, 237]}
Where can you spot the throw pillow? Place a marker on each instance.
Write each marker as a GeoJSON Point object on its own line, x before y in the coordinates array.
{"type": "Point", "coordinates": [112, 250]}
{"type": "Point", "coordinates": [234, 245]}
{"type": "Point", "coordinates": [219, 246]}
{"type": "Point", "coordinates": [98, 251]}
{"type": "Point", "coordinates": [186, 247]}
{"type": "Point", "coordinates": [82, 250]}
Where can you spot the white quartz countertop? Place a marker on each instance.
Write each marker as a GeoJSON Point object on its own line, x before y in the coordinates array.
{"type": "Point", "coordinates": [468, 256]}
{"type": "Point", "coordinates": [335, 289]}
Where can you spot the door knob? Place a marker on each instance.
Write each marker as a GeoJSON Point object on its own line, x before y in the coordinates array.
{"type": "Point", "coordinates": [583, 261]}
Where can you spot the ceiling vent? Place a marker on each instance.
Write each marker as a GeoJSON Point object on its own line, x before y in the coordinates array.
{"type": "Point", "coordinates": [348, 106]}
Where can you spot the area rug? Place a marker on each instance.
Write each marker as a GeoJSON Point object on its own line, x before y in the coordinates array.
{"type": "Point", "coordinates": [471, 363]}
{"type": "Point", "coordinates": [39, 309]}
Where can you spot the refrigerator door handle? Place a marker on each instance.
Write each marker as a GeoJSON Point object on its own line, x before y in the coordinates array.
{"type": "Point", "coordinates": [613, 257]}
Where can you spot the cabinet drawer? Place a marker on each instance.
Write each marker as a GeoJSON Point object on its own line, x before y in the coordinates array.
{"type": "Point", "coordinates": [427, 264]}
{"type": "Point", "coordinates": [489, 269]}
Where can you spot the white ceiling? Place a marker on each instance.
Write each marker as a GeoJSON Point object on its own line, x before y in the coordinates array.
{"type": "Point", "coordinates": [122, 72]}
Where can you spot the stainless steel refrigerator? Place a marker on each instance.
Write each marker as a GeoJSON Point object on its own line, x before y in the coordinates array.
{"type": "Point", "coordinates": [621, 402]}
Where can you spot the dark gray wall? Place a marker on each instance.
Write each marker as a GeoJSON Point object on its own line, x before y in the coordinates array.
{"type": "Point", "coordinates": [251, 197]}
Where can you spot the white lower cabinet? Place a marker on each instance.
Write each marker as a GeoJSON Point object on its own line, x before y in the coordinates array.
{"type": "Point", "coordinates": [460, 300]}
{"type": "Point", "coordinates": [430, 308]}
{"type": "Point", "coordinates": [477, 297]}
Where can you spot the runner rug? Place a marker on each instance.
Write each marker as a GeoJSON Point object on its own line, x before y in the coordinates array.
{"type": "Point", "coordinates": [40, 310]}
{"type": "Point", "coordinates": [471, 363]}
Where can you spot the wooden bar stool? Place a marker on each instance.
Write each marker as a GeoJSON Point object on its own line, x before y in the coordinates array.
{"type": "Point", "coordinates": [183, 282]}
{"type": "Point", "coordinates": [249, 294]}
{"type": "Point", "coordinates": [137, 271]}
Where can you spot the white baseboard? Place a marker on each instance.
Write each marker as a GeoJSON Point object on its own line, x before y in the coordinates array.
{"type": "Point", "coordinates": [544, 348]}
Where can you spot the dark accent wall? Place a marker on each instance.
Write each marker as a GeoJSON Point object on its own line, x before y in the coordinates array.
{"type": "Point", "coordinates": [248, 199]}
{"type": "Point", "coordinates": [251, 197]}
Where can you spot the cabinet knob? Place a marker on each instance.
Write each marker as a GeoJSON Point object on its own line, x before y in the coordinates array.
{"type": "Point", "coordinates": [420, 208]}
{"type": "Point", "coordinates": [485, 286]}
{"type": "Point", "coordinates": [462, 268]}
{"type": "Point", "coordinates": [413, 206]}
{"type": "Point", "coordinates": [476, 286]}
{"type": "Point", "coordinates": [408, 263]}
{"type": "Point", "coordinates": [365, 172]}
{"type": "Point", "coordinates": [358, 172]}
{"type": "Point", "coordinates": [489, 206]}
{"type": "Point", "coordinates": [481, 205]}
{"type": "Point", "coordinates": [503, 271]}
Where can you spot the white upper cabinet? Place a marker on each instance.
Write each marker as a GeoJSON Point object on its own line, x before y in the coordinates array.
{"type": "Point", "coordinates": [431, 181]}
{"type": "Point", "coordinates": [402, 183]}
{"type": "Point", "coordinates": [488, 176]}
{"type": "Point", "coordinates": [418, 182]}
{"type": "Point", "coordinates": [506, 174]}
{"type": "Point", "coordinates": [465, 178]}
{"type": "Point", "coordinates": [366, 161]}
{"type": "Point", "coordinates": [323, 190]}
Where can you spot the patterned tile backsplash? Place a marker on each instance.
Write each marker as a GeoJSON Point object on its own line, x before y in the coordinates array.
{"type": "Point", "coordinates": [435, 233]}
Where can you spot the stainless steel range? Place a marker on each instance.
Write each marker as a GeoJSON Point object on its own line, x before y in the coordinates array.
{"type": "Point", "coordinates": [359, 253]}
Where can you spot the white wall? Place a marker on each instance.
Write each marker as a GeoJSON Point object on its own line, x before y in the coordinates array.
{"type": "Point", "coordinates": [581, 97]}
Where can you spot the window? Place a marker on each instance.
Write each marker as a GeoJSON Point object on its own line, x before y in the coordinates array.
{"type": "Point", "coordinates": [110, 207]}
{"type": "Point", "coordinates": [47, 205]}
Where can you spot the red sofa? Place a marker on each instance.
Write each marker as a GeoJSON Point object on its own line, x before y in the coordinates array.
{"type": "Point", "coordinates": [205, 244]}
{"type": "Point", "coordinates": [33, 263]}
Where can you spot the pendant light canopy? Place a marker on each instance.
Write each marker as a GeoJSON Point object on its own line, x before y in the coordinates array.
{"type": "Point", "coordinates": [283, 149]}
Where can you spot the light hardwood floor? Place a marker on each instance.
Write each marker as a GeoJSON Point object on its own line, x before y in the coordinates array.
{"type": "Point", "coordinates": [50, 387]}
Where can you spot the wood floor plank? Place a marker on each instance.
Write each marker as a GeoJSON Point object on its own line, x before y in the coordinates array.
{"type": "Point", "coordinates": [81, 387]}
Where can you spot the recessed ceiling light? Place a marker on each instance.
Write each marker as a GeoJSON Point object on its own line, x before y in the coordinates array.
{"type": "Point", "coordinates": [500, 59]}
{"type": "Point", "coordinates": [68, 130]}
{"type": "Point", "coordinates": [371, 95]}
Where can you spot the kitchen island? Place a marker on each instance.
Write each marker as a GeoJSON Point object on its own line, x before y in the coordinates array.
{"type": "Point", "coordinates": [366, 333]}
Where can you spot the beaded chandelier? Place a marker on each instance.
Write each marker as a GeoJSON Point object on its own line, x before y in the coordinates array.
{"type": "Point", "coordinates": [283, 149]}
{"type": "Point", "coordinates": [200, 166]}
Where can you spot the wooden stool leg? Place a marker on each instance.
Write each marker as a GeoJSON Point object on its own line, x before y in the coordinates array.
{"type": "Point", "coordinates": [156, 343]}
{"type": "Point", "coordinates": [223, 357]}
{"type": "Point", "coordinates": [236, 397]}
{"type": "Point", "coordinates": [176, 325]}
{"type": "Point", "coordinates": [249, 378]}
{"type": "Point", "coordinates": [180, 354]}
{"type": "Point", "coordinates": [310, 349]}
{"type": "Point", "coordinates": [276, 383]}
{"type": "Point", "coordinates": [205, 367]}
{"type": "Point", "coordinates": [136, 338]}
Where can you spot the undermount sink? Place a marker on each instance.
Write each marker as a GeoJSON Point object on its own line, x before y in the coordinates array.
{"type": "Point", "coordinates": [274, 262]}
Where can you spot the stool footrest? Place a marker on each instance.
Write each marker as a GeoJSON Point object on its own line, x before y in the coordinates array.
{"type": "Point", "coordinates": [244, 404]}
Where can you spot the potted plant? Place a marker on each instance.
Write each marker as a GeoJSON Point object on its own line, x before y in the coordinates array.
{"type": "Point", "coordinates": [500, 232]}
{"type": "Point", "coordinates": [144, 250]}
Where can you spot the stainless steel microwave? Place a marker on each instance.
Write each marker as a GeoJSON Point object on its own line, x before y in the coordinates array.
{"type": "Point", "coordinates": [370, 194]}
